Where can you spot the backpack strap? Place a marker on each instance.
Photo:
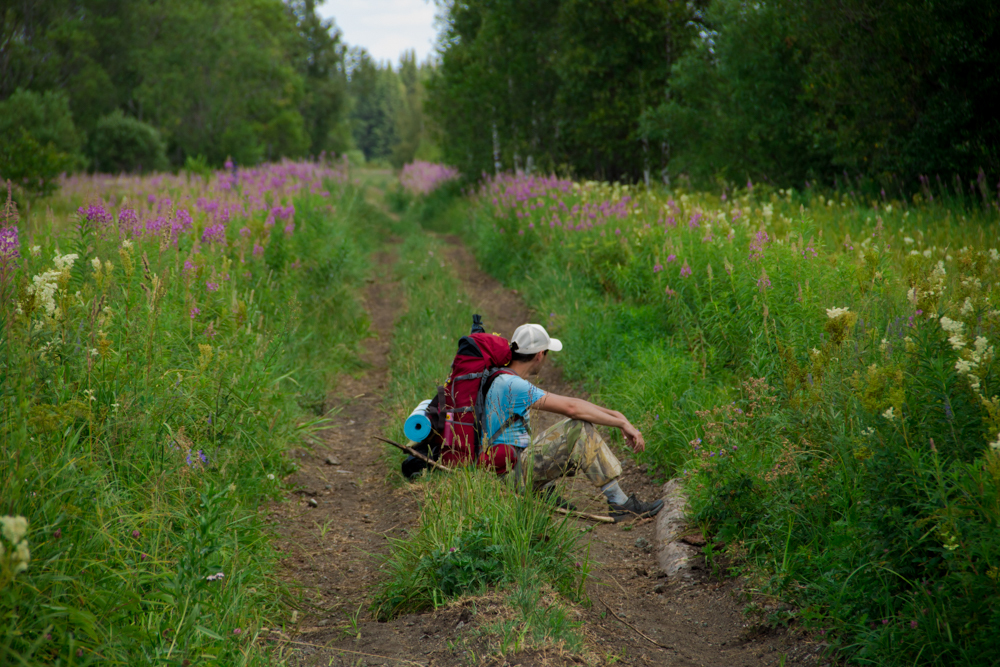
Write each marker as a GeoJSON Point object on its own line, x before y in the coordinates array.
{"type": "Point", "coordinates": [489, 376]}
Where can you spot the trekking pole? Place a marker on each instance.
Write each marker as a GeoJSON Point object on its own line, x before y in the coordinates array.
{"type": "Point", "coordinates": [416, 454]}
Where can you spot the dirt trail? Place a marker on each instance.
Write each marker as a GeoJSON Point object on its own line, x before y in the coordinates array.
{"type": "Point", "coordinates": [337, 526]}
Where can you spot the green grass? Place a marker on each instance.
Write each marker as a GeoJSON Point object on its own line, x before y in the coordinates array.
{"type": "Point", "coordinates": [141, 437]}
{"type": "Point", "coordinates": [842, 461]}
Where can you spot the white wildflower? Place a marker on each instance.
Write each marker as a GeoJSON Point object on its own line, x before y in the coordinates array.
{"type": "Point", "coordinates": [907, 240]}
{"type": "Point", "coordinates": [981, 344]}
{"type": "Point", "coordinates": [967, 307]}
{"type": "Point", "coordinates": [64, 262]}
{"type": "Point", "coordinates": [927, 254]}
{"type": "Point", "coordinates": [13, 528]}
{"type": "Point", "coordinates": [994, 255]}
{"type": "Point", "coordinates": [270, 476]}
{"type": "Point", "coordinates": [22, 556]}
{"type": "Point", "coordinates": [915, 252]}
{"type": "Point", "coordinates": [96, 263]}
{"type": "Point", "coordinates": [890, 414]}
{"type": "Point", "coordinates": [43, 286]}
{"type": "Point", "coordinates": [957, 341]}
{"type": "Point", "coordinates": [964, 366]}
{"type": "Point", "coordinates": [995, 445]}
{"type": "Point", "coordinates": [951, 326]}
{"type": "Point", "coordinates": [36, 250]}
{"type": "Point", "coordinates": [883, 345]}
{"type": "Point", "coordinates": [888, 209]}
{"type": "Point", "coordinates": [126, 245]}
{"type": "Point", "coordinates": [815, 351]}
{"type": "Point", "coordinates": [834, 313]}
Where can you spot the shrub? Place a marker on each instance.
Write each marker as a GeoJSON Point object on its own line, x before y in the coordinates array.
{"type": "Point", "coordinates": [120, 143]}
{"type": "Point", "coordinates": [38, 140]}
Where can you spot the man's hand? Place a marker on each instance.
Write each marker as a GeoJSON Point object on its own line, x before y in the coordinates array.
{"type": "Point", "coordinates": [633, 437]}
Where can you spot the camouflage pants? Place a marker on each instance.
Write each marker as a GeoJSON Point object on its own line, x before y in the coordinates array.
{"type": "Point", "coordinates": [566, 448]}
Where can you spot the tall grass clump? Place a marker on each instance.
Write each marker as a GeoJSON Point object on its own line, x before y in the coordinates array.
{"type": "Point", "coordinates": [818, 367]}
{"type": "Point", "coordinates": [474, 533]}
{"type": "Point", "coordinates": [159, 346]}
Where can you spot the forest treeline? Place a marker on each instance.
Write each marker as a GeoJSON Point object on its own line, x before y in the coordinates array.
{"type": "Point", "coordinates": [115, 85]}
{"type": "Point", "coordinates": [780, 90]}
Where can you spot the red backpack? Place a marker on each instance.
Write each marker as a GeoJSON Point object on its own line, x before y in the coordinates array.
{"type": "Point", "coordinates": [478, 354]}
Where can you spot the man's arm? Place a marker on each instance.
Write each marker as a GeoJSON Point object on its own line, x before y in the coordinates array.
{"type": "Point", "coordinates": [577, 408]}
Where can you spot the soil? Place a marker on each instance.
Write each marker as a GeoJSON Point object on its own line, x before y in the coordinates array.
{"type": "Point", "coordinates": [348, 503]}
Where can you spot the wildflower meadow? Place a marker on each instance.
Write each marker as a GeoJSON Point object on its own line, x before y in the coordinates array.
{"type": "Point", "coordinates": [820, 369]}
{"type": "Point", "coordinates": [165, 339]}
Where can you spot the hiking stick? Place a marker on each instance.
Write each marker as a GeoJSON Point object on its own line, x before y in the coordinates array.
{"type": "Point", "coordinates": [415, 453]}
{"type": "Point", "coordinates": [584, 515]}
{"type": "Point", "coordinates": [412, 452]}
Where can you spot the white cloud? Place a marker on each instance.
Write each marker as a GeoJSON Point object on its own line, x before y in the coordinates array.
{"type": "Point", "coordinates": [385, 27]}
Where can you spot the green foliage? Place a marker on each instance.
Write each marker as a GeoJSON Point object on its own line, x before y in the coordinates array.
{"type": "Point", "coordinates": [148, 393]}
{"type": "Point", "coordinates": [387, 115]}
{"type": "Point", "coordinates": [120, 144]}
{"type": "Point", "coordinates": [38, 140]}
{"type": "Point", "coordinates": [793, 91]}
{"type": "Point", "coordinates": [831, 404]}
{"type": "Point", "coordinates": [560, 83]}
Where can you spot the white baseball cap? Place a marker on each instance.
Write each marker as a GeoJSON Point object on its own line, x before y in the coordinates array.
{"type": "Point", "coordinates": [533, 338]}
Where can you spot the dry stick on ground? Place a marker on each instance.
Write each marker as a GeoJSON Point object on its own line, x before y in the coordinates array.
{"type": "Point", "coordinates": [413, 452]}
{"type": "Point", "coordinates": [637, 630]}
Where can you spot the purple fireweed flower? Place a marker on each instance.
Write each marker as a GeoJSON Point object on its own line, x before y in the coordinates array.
{"type": "Point", "coordinates": [757, 245]}
{"type": "Point", "coordinates": [9, 244]}
{"type": "Point", "coordinates": [671, 222]}
{"type": "Point", "coordinates": [214, 234]}
{"type": "Point", "coordinates": [228, 164]}
{"type": "Point", "coordinates": [670, 258]}
{"type": "Point", "coordinates": [143, 556]}
{"type": "Point", "coordinates": [657, 267]}
{"type": "Point", "coordinates": [237, 631]}
{"type": "Point", "coordinates": [136, 533]}
{"type": "Point", "coordinates": [188, 266]}
{"type": "Point", "coordinates": [182, 220]}
{"type": "Point", "coordinates": [96, 214]}
{"type": "Point", "coordinates": [913, 625]}
{"type": "Point", "coordinates": [195, 312]}
{"type": "Point", "coordinates": [670, 293]}
{"type": "Point", "coordinates": [201, 455]}
{"type": "Point", "coordinates": [258, 250]}
{"type": "Point", "coordinates": [763, 282]}
{"type": "Point", "coordinates": [289, 228]}
{"type": "Point", "coordinates": [685, 270]}
{"type": "Point", "coordinates": [618, 232]}
{"type": "Point", "coordinates": [694, 223]}
{"type": "Point", "coordinates": [211, 287]}
{"type": "Point", "coordinates": [128, 223]}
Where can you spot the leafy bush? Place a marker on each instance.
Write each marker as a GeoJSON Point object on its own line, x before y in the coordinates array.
{"type": "Point", "coordinates": [120, 143]}
{"type": "Point", "coordinates": [821, 371]}
{"type": "Point", "coordinates": [38, 140]}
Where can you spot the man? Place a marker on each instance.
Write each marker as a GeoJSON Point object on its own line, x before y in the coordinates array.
{"type": "Point", "coordinates": [570, 446]}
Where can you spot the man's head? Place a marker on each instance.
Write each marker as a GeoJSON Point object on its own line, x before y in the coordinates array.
{"type": "Point", "coordinates": [529, 345]}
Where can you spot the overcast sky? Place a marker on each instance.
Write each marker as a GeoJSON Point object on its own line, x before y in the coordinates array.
{"type": "Point", "coordinates": [385, 27]}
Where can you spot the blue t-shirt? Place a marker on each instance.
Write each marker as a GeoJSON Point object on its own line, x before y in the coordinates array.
{"type": "Point", "coordinates": [508, 395]}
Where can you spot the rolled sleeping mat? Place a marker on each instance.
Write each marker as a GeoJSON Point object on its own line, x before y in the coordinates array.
{"type": "Point", "coordinates": [418, 425]}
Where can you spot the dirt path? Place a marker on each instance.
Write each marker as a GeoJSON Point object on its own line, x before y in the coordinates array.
{"type": "Point", "coordinates": [336, 528]}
